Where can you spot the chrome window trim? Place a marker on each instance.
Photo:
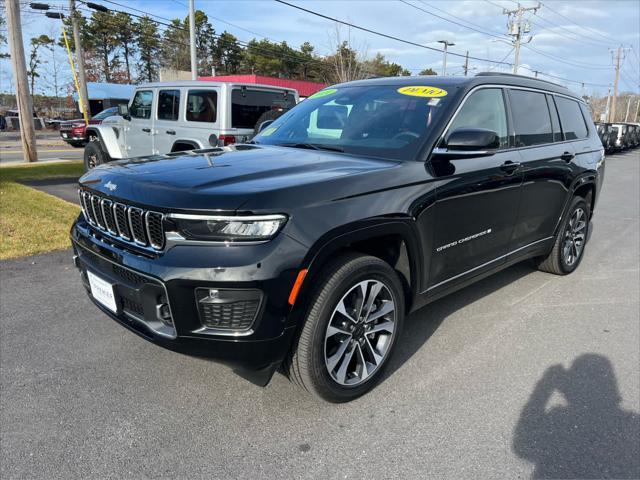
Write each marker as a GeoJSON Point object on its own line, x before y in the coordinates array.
{"type": "Point", "coordinates": [512, 87]}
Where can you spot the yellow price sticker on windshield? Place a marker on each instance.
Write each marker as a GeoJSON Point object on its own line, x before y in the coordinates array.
{"type": "Point", "coordinates": [422, 91]}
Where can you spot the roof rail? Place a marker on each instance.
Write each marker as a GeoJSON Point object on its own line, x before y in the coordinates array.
{"type": "Point", "coordinates": [514, 75]}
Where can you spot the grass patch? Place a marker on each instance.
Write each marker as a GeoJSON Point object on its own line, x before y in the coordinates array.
{"type": "Point", "coordinates": [31, 221]}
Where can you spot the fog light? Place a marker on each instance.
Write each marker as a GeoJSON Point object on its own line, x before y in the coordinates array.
{"type": "Point", "coordinates": [228, 309]}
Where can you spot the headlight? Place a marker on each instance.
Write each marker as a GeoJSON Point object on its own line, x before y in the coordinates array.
{"type": "Point", "coordinates": [227, 228]}
{"type": "Point", "coordinates": [77, 125]}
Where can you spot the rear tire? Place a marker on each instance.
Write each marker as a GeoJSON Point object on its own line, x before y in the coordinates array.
{"type": "Point", "coordinates": [94, 155]}
{"type": "Point", "coordinates": [341, 356]}
{"type": "Point", "coordinates": [568, 247]}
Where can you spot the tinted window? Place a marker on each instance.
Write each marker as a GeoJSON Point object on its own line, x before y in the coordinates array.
{"type": "Point", "coordinates": [247, 105]}
{"type": "Point", "coordinates": [373, 120]}
{"type": "Point", "coordinates": [202, 106]}
{"type": "Point", "coordinates": [573, 125]}
{"type": "Point", "coordinates": [168, 104]}
{"type": "Point", "coordinates": [484, 109]}
{"type": "Point", "coordinates": [531, 118]}
{"type": "Point", "coordinates": [141, 104]}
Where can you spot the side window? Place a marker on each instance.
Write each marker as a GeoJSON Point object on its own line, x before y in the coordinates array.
{"type": "Point", "coordinates": [573, 125]}
{"type": "Point", "coordinates": [202, 106]}
{"type": "Point", "coordinates": [168, 104]}
{"type": "Point", "coordinates": [555, 120]}
{"type": "Point", "coordinates": [531, 118]}
{"type": "Point", "coordinates": [248, 105]}
{"type": "Point", "coordinates": [484, 109]}
{"type": "Point", "coordinates": [141, 104]}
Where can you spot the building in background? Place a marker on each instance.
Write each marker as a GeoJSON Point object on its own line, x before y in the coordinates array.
{"type": "Point", "coordinates": [304, 88]}
{"type": "Point", "coordinates": [106, 95]}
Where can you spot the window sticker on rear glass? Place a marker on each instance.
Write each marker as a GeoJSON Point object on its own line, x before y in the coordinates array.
{"type": "Point", "coordinates": [422, 91]}
{"type": "Point", "coordinates": [324, 93]}
{"type": "Point", "coordinates": [268, 131]}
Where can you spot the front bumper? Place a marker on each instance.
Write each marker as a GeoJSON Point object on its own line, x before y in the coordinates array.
{"type": "Point", "coordinates": [142, 283]}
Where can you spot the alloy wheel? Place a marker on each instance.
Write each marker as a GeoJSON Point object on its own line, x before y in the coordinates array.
{"type": "Point", "coordinates": [574, 237]}
{"type": "Point", "coordinates": [360, 333]}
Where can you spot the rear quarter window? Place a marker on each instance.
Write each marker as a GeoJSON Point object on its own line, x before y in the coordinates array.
{"type": "Point", "coordinates": [202, 106]}
{"type": "Point", "coordinates": [573, 123]}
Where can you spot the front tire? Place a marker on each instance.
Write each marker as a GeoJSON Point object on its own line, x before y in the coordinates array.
{"type": "Point", "coordinates": [354, 318]}
{"type": "Point", "coordinates": [569, 245]}
{"type": "Point", "coordinates": [94, 155]}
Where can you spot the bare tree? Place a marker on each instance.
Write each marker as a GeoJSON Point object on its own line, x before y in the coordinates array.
{"type": "Point", "coordinates": [347, 63]}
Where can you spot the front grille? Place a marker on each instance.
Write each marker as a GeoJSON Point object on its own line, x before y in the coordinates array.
{"type": "Point", "coordinates": [132, 224]}
{"type": "Point", "coordinates": [232, 316]}
{"type": "Point", "coordinates": [131, 306]}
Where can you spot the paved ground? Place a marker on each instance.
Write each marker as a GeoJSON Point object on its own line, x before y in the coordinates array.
{"type": "Point", "coordinates": [474, 392]}
{"type": "Point", "coordinates": [50, 148]}
{"type": "Point", "coordinates": [66, 188]}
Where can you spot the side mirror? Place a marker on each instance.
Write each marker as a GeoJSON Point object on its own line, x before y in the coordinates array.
{"type": "Point", "coordinates": [472, 139]}
{"type": "Point", "coordinates": [123, 111]}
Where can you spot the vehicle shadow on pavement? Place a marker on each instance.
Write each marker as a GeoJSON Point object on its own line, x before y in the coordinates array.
{"type": "Point", "coordinates": [423, 323]}
{"type": "Point", "coordinates": [589, 435]}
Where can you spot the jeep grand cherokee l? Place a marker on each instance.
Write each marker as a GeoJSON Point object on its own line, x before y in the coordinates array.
{"type": "Point", "coordinates": [307, 248]}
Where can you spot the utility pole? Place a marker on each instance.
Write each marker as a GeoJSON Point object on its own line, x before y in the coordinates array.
{"type": "Point", "coordinates": [619, 58]}
{"type": "Point", "coordinates": [444, 60]}
{"type": "Point", "coordinates": [83, 94]}
{"type": "Point", "coordinates": [606, 110]}
{"type": "Point", "coordinates": [626, 115]}
{"type": "Point", "coordinates": [25, 102]}
{"type": "Point", "coordinates": [466, 63]}
{"type": "Point", "coordinates": [637, 109]}
{"type": "Point", "coordinates": [517, 27]}
{"type": "Point", "coordinates": [192, 40]}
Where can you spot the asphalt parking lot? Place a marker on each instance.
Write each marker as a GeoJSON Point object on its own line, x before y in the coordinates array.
{"type": "Point", "coordinates": [522, 375]}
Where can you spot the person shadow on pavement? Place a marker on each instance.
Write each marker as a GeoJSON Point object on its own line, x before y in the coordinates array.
{"type": "Point", "coordinates": [590, 436]}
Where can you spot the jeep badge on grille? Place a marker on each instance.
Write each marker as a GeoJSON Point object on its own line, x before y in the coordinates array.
{"type": "Point", "coordinates": [110, 186]}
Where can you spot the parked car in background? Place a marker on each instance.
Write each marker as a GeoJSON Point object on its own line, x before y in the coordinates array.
{"type": "Point", "coordinates": [186, 115]}
{"type": "Point", "coordinates": [74, 131]}
{"type": "Point", "coordinates": [306, 248]}
{"type": "Point", "coordinates": [606, 135]}
{"type": "Point", "coordinates": [620, 136]}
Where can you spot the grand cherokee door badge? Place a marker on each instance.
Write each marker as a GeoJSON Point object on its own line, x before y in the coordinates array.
{"type": "Point", "coordinates": [464, 240]}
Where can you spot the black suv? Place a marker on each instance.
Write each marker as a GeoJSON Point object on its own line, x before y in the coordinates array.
{"type": "Point", "coordinates": [306, 248]}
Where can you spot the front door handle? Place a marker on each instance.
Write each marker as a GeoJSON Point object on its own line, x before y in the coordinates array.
{"type": "Point", "coordinates": [509, 167]}
{"type": "Point", "coordinates": [567, 156]}
{"type": "Point", "coordinates": [171, 132]}
{"type": "Point", "coordinates": [147, 130]}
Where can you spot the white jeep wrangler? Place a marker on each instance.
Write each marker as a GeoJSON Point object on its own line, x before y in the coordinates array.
{"type": "Point", "coordinates": [170, 117]}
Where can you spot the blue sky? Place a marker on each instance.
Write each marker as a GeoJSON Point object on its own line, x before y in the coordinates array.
{"type": "Point", "coordinates": [571, 39]}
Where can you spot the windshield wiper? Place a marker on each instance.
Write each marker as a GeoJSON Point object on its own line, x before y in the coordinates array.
{"type": "Point", "coordinates": [314, 146]}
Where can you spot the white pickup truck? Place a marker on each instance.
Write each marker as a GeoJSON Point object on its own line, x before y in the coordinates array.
{"type": "Point", "coordinates": [176, 116]}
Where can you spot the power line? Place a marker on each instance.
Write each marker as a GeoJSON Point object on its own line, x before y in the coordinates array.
{"type": "Point", "coordinates": [450, 21]}
{"type": "Point", "coordinates": [608, 38]}
{"type": "Point", "coordinates": [565, 61]}
{"type": "Point", "coordinates": [497, 34]}
{"type": "Point", "coordinates": [380, 34]}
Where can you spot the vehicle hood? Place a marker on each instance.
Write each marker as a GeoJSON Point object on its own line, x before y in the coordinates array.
{"type": "Point", "coordinates": [253, 177]}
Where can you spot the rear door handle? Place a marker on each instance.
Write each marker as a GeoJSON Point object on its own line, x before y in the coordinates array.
{"type": "Point", "coordinates": [567, 156]}
{"type": "Point", "coordinates": [509, 167]}
{"type": "Point", "coordinates": [171, 132]}
{"type": "Point", "coordinates": [148, 130]}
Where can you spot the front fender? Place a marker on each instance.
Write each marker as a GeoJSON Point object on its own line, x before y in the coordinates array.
{"type": "Point", "coordinates": [108, 136]}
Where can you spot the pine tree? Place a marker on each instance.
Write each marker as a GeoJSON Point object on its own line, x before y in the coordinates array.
{"type": "Point", "coordinates": [148, 43]}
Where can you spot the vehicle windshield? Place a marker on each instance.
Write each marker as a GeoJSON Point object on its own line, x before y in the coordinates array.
{"type": "Point", "coordinates": [385, 121]}
{"type": "Point", "coordinates": [105, 113]}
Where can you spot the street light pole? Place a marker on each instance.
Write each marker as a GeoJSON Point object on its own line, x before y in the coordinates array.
{"type": "Point", "coordinates": [446, 44]}
{"type": "Point", "coordinates": [192, 40]}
